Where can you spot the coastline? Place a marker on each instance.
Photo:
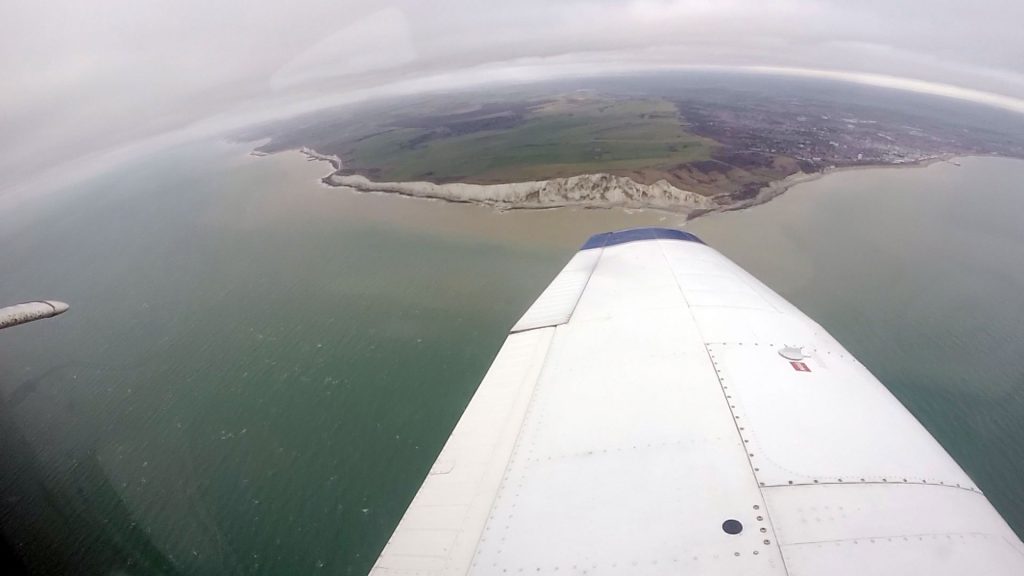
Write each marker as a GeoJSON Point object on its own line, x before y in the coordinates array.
{"type": "Point", "coordinates": [778, 187]}
{"type": "Point", "coordinates": [598, 190]}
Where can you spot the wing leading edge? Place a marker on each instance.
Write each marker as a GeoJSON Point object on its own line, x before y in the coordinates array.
{"type": "Point", "coordinates": [660, 411]}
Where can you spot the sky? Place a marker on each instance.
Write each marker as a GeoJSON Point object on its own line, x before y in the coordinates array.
{"type": "Point", "coordinates": [83, 79]}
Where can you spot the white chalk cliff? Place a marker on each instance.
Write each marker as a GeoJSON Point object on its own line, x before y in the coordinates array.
{"type": "Point", "coordinates": [598, 190]}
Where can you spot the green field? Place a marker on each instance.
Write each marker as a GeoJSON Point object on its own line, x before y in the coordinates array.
{"type": "Point", "coordinates": [566, 136]}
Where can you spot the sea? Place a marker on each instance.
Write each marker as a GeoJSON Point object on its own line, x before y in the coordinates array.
{"type": "Point", "coordinates": [257, 370]}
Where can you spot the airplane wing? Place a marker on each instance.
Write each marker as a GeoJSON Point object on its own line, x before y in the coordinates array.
{"type": "Point", "coordinates": [658, 410]}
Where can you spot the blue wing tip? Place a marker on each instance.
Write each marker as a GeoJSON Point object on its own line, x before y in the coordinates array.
{"type": "Point", "coordinates": [637, 234]}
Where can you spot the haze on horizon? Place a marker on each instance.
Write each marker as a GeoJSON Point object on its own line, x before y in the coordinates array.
{"type": "Point", "coordinates": [83, 78]}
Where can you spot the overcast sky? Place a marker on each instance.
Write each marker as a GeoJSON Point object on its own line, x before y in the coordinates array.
{"type": "Point", "coordinates": [86, 76]}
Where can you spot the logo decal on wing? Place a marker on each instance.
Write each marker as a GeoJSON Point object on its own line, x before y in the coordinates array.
{"type": "Point", "coordinates": [800, 366]}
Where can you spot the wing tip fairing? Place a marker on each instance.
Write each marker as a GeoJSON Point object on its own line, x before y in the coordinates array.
{"type": "Point", "coordinates": [636, 234]}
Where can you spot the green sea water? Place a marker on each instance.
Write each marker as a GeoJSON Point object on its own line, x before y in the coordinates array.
{"type": "Point", "coordinates": [258, 370]}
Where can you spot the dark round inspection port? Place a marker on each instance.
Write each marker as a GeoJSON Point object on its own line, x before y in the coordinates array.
{"type": "Point", "coordinates": [732, 526]}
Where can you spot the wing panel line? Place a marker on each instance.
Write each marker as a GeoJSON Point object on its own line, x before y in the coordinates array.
{"type": "Point", "coordinates": [727, 398]}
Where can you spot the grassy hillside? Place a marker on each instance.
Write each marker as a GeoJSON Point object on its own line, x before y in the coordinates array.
{"type": "Point", "coordinates": [514, 138]}
{"type": "Point", "coordinates": [562, 137]}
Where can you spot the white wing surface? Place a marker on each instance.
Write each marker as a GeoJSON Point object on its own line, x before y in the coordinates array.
{"type": "Point", "coordinates": [660, 411]}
